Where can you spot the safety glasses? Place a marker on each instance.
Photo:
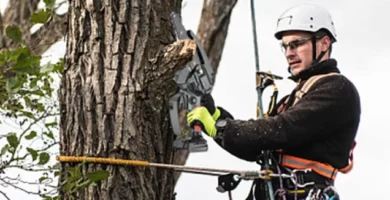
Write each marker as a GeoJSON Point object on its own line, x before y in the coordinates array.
{"type": "Point", "coordinates": [294, 44]}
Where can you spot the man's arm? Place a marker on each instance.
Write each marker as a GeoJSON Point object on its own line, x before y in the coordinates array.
{"type": "Point", "coordinates": [329, 103]}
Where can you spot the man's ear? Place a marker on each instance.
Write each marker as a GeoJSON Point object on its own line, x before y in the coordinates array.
{"type": "Point", "coordinates": [325, 43]}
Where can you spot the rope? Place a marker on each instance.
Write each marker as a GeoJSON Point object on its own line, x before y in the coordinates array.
{"type": "Point", "coordinates": [255, 36]}
{"type": "Point", "coordinates": [259, 92]}
{"type": "Point", "coordinates": [246, 175]}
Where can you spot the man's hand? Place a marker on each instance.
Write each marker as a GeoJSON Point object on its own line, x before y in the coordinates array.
{"type": "Point", "coordinates": [208, 102]}
{"type": "Point", "coordinates": [201, 116]}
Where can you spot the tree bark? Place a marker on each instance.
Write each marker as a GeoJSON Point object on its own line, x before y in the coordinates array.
{"type": "Point", "coordinates": [212, 32]}
{"type": "Point", "coordinates": [115, 89]}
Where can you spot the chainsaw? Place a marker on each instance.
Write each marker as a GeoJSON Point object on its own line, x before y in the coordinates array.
{"type": "Point", "coordinates": [194, 80]}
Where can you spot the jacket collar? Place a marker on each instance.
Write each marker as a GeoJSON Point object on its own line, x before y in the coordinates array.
{"type": "Point", "coordinates": [324, 67]}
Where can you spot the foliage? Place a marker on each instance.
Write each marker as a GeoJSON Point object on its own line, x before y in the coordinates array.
{"type": "Point", "coordinates": [28, 99]}
{"type": "Point", "coordinates": [43, 15]}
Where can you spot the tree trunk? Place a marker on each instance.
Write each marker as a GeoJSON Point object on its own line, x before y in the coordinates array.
{"type": "Point", "coordinates": [114, 93]}
{"type": "Point", "coordinates": [116, 85]}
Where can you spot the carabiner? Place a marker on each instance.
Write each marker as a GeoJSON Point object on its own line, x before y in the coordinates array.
{"type": "Point", "coordinates": [292, 178]}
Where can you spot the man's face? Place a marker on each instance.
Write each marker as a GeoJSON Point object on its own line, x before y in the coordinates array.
{"type": "Point", "coordinates": [299, 50]}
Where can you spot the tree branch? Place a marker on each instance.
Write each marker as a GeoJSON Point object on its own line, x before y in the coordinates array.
{"type": "Point", "coordinates": [50, 33]}
{"type": "Point", "coordinates": [18, 13]}
{"type": "Point", "coordinates": [213, 30]}
{"type": "Point", "coordinates": [5, 195]}
{"type": "Point", "coordinates": [171, 58]}
{"type": "Point", "coordinates": [17, 187]}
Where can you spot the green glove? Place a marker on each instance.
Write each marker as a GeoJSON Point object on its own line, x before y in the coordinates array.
{"type": "Point", "coordinates": [200, 116]}
{"type": "Point", "coordinates": [208, 102]}
{"type": "Point", "coordinates": [216, 114]}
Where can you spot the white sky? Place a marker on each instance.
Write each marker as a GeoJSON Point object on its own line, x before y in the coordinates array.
{"type": "Point", "coordinates": [362, 52]}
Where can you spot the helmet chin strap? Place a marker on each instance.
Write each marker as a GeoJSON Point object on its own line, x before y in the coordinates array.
{"type": "Point", "coordinates": [316, 60]}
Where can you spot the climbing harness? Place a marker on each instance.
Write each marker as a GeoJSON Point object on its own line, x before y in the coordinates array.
{"type": "Point", "coordinates": [193, 81]}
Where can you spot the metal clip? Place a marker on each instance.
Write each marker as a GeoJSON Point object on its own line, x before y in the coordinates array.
{"type": "Point", "coordinates": [293, 178]}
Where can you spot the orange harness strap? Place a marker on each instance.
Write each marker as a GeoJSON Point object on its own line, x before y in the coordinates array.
{"type": "Point", "coordinates": [323, 169]}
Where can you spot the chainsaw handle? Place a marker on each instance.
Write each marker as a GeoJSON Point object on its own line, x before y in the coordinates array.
{"type": "Point", "coordinates": [197, 128]}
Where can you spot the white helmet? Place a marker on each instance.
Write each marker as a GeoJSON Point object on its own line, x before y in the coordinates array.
{"type": "Point", "coordinates": [306, 17]}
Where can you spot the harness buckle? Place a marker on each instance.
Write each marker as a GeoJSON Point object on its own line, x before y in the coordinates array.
{"type": "Point", "coordinates": [298, 179]}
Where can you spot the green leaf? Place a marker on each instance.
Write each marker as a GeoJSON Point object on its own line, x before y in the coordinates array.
{"type": "Point", "coordinates": [41, 16]}
{"type": "Point", "coordinates": [98, 175]}
{"type": "Point", "coordinates": [28, 114]}
{"type": "Point", "coordinates": [4, 149]}
{"type": "Point", "coordinates": [51, 124]}
{"type": "Point", "coordinates": [30, 136]}
{"type": "Point", "coordinates": [50, 134]}
{"type": "Point", "coordinates": [42, 179]}
{"type": "Point", "coordinates": [14, 33]}
{"type": "Point", "coordinates": [43, 158]}
{"type": "Point", "coordinates": [84, 184]}
{"type": "Point", "coordinates": [56, 166]}
{"type": "Point", "coordinates": [48, 67]}
{"type": "Point", "coordinates": [33, 153]}
{"type": "Point", "coordinates": [46, 197]}
{"type": "Point", "coordinates": [49, 4]}
{"type": "Point", "coordinates": [13, 140]}
{"type": "Point", "coordinates": [75, 174]}
{"type": "Point", "coordinates": [38, 93]}
{"type": "Point", "coordinates": [27, 101]}
{"type": "Point", "coordinates": [27, 63]}
{"type": "Point", "coordinates": [12, 84]}
{"type": "Point", "coordinates": [58, 67]}
{"type": "Point", "coordinates": [57, 173]}
{"type": "Point", "coordinates": [69, 186]}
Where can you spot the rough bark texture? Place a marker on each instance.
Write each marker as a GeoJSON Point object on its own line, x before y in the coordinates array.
{"type": "Point", "coordinates": [212, 33]}
{"type": "Point", "coordinates": [115, 92]}
{"type": "Point", "coordinates": [18, 13]}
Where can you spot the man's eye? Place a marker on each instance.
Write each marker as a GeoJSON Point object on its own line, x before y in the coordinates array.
{"type": "Point", "coordinates": [294, 44]}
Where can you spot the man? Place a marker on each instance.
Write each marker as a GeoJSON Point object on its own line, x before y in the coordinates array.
{"type": "Point", "coordinates": [313, 129]}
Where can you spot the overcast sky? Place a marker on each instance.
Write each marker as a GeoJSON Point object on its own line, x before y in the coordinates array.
{"type": "Point", "coordinates": [362, 51]}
